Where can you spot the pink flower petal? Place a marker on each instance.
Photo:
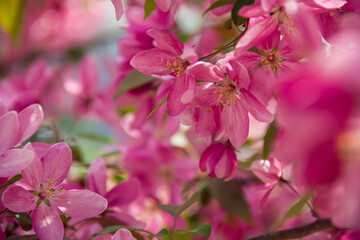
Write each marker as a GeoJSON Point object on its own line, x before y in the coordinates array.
{"type": "Point", "coordinates": [152, 61]}
{"type": "Point", "coordinates": [33, 174]}
{"type": "Point", "coordinates": [205, 122]}
{"type": "Point", "coordinates": [30, 120]}
{"type": "Point", "coordinates": [89, 75]}
{"type": "Point", "coordinates": [268, 171]}
{"type": "Point", "coordinates": [17, 199]}
{"type": "Point", "coordinates": [47, 223]}
{"type": "Point", "coordinates": [256, 108]}
{"type": "Point", "coordinates": [180, 86]}
{"type": "Point", "coordinates": [207, 95]}
{"type": "Point", "coordinates": [238, 74]}
{"type": "Point", "coordinates": [167, 41]}
{"type": "Point", "coordinates": [3, 109]}
{"type": "Point", "coordinates": [164, 5]}
{"type": "Point", "coordinates": [9, 127]}
{"type": "Point", "coordinates": [205, 156]}
{"type": "Point", "coordinates": [15, 160]}
{"type": "Point", "coordinates": [79, 204]}
{"type": "Point", "coordinates": [236, 123]}
{"type": "Point", "coordinates": [256, 34]}
{"type": "Point", "coordinates": [253, 10]}
{"type": "Point", "coordinates": [333, 4]}
{"type": "Point", "coordinates": [190, 86]}
{"type": "Point", "coordinates": [206, 71]}
{"type": "Point", "coordinates": [118, 8]}
{"type": "Point", "coordinates": [56, 162]}
{"type": "Point", "coordinates": [227, 164]}
{"type": "Point", "coordinates": [97, 176]}
{"type": "Point", "coordinates": [40, 148]}
{"type": "Point", "coordinates": [123, 234]}
{"type": "Point", "coordinates": [266, 195]}
{"type": "Point", "coordinates": [123, 193]}
{"type": "Point", "coordinates": [35, 75]}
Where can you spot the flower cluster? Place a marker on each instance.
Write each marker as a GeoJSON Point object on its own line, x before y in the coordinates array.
{"type": "Point", "coordinates": [215, 119]}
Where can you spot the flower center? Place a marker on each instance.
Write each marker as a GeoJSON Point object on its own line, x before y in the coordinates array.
{"type": "Point", "coordinates": [227, 95]}
{"type": "Point", "coordinates": [177, 66]}
{"type": "Point", "coordinates": [272, 62]}
{"type": "Point", "coordinates": [287, 22]}
{"type": "Point", "coordinates": [49, 190]}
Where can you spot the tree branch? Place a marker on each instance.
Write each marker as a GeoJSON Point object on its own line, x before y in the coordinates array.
{"type": "Point", "coordinates": [293, 233]}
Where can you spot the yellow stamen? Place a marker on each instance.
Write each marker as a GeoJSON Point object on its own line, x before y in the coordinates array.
{"type": "Point", "coordinates": [177, 66]}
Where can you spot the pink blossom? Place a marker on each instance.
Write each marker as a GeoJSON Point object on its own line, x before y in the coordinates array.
{"type": "Point", "coordinates": [219, 160]}
{"type": "Point", "coordinates": [295, 22]}
{"type": "Point", "coordinates": [170, 59]}
{"type": "Point", "coordinates": [234, 98]}
{"type": "Point", "coordinates": [269, 171]}
{"type": "Point", "coordinates": [14, 129]}
{"type": "Point", "coordinates": [46, 196]}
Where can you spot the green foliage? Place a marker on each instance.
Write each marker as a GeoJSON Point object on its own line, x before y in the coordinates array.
{"type": "Point", "coordinates": [269, 140]}
{"type": "Point", "coordinates": [10, 17]}
{"type": "Point", "coordinates": [202, 229]}
{"type": "Point", "coordinates": [149, 7]}
{"type": "Point", "coordinates": [295, 210]}
{"type": "Point", "coordinates": [23, 218]}
{"type": "Point", "coordinates": [158, 106]}
{"type": "Point", "coordinates": [217, 4]}
{"type": "Point", "coordinates": [230, 196]}
{"type": "Point", "coordinates": [238, 20]}
{"type": "Point", "coordinates": [228, 24]}
{"type": "Point", "coordinates": [11, 181]}
{"type": "Point", "coordinates": [176, 210]}
{"type": "Point", "coordinates": [113, 229]}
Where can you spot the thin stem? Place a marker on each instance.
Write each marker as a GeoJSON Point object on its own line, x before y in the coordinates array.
{"type": "Point", "coordinates": [230, 44]}
{"type": "Point", "coordinates": [2, 211]}
{"type": "Point", "coordinates": [294, 233]}
{"type": "Point", "coordinates": [173, 229]}
{"type": "Point", "coordinates": [301, 197]}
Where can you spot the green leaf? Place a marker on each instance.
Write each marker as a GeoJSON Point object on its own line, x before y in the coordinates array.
{"type": "Point", "coordinates": [164, 233]}
{"type": "Point", "coordinates": [11, 181]}
{"type": "Point", "coordinates": [238, 20]}
{"type": "Point", "coordinates": [23, 218]}
{"type": "Point", "coordinates": [295, 210]}
{"type": "Point", "coordinates": [228, 24]}
{"type": "Point", "coordinates": [269, 140]}
{"type": "Point", "coordinates": [158, 106]}
{"type": "Point", "coordinates": [97, 137]}
{"type": "Point", "coordinates": [110, 229]}
{"type": "Point", "coordinates": [10, 17]}
{"type": "Point", "coordinates": [149, 7]}
{"type": "Point", "coordinates": [176, 210]}
{"type": "Point", "coordinates": [133, 80]}
{"type": "Point", "coordinates": [203, 230]}
{"type": "Point", "coordinates": [218, 4]}
{"type": "Point", "coordinates": [230, 197]}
